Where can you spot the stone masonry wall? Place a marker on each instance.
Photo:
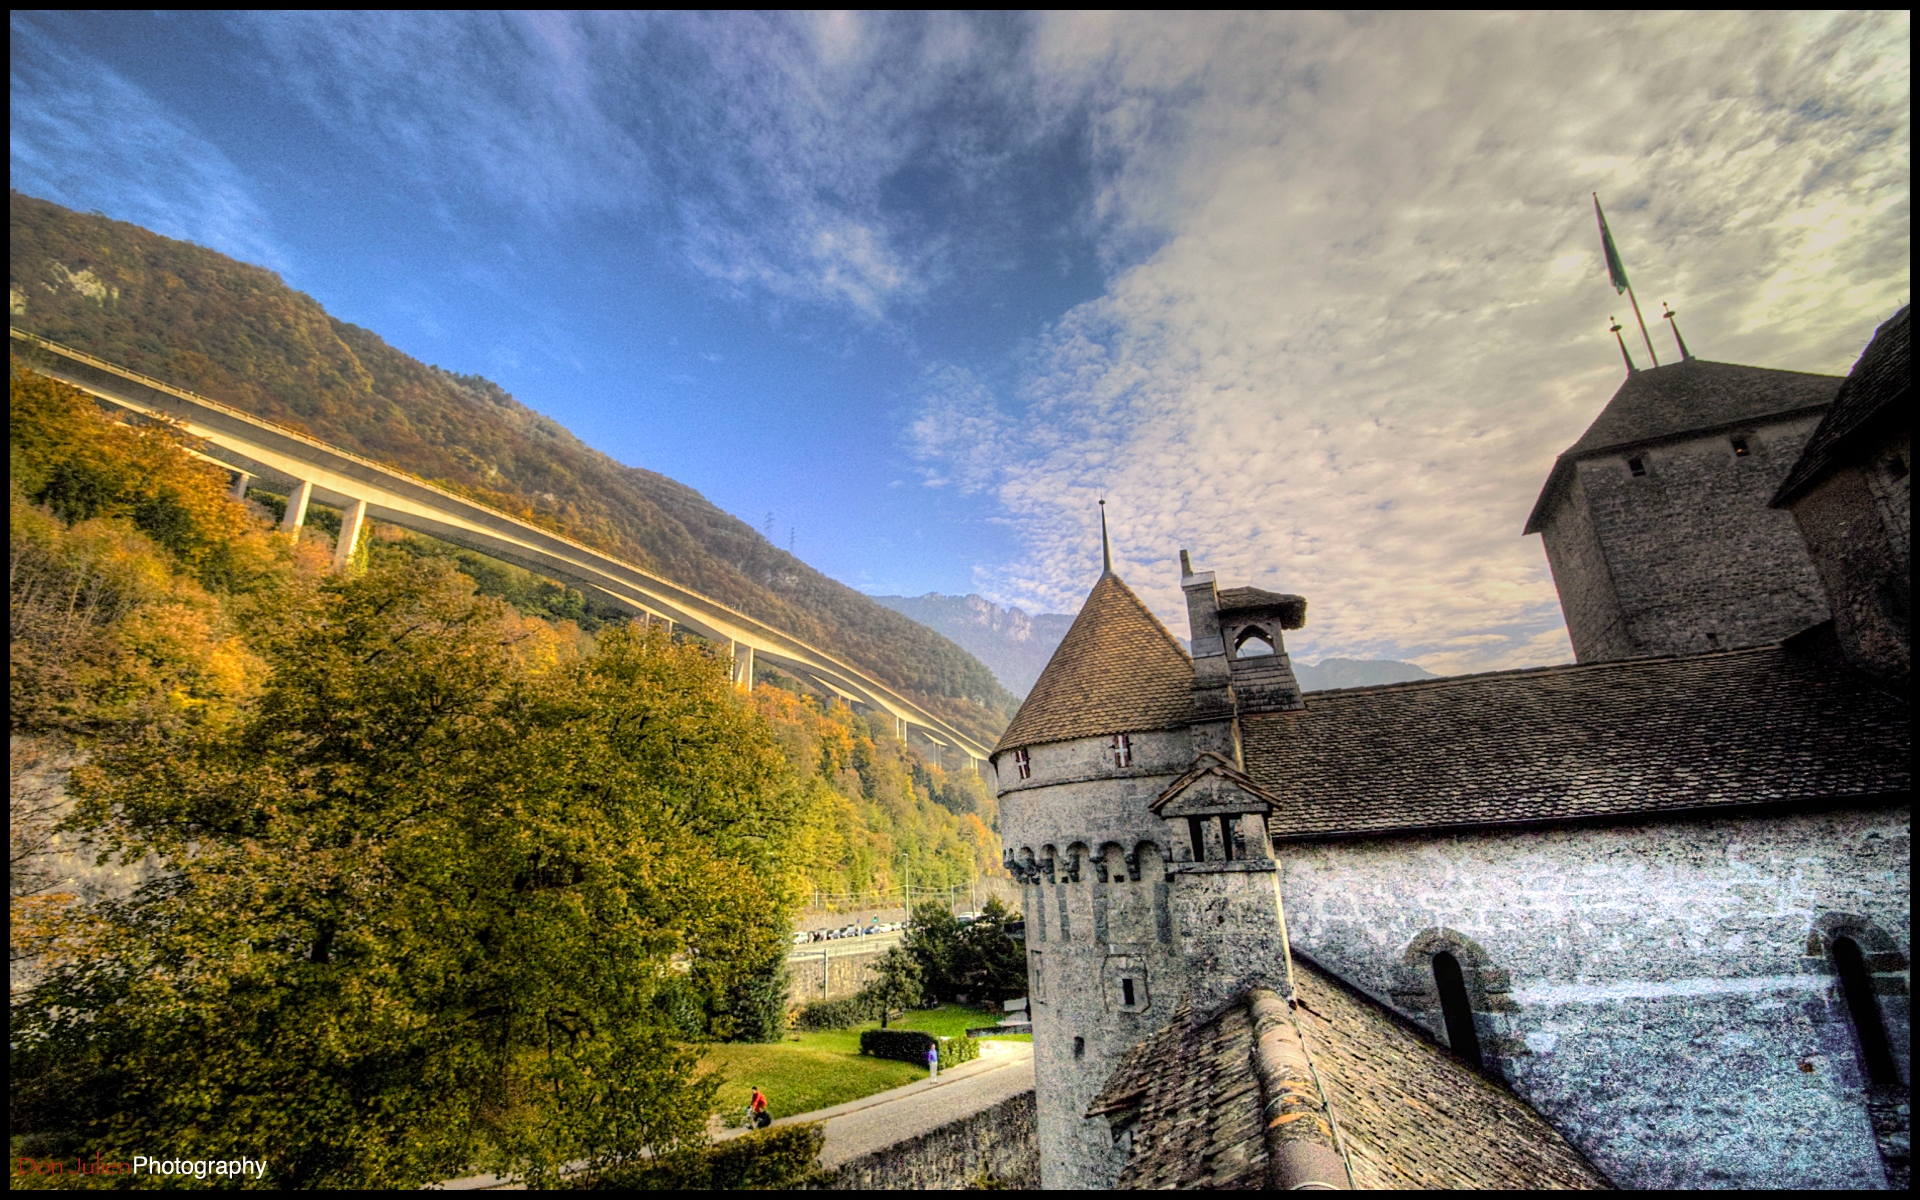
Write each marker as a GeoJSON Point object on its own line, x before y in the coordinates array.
{"type": "Point", "coordinates": [995, 1146]}
{"type": "Point", "coordinates": [1692, 548]}
{"type": "Point", "coordinates": [1662, 993]}
{"type": "Point", "coordinates": [1857, 524]}
{"type": "Point", "coordinates": [1595, 625]}
{"type": "Point", "coordinates": [845, 975]}
{"type": "Point", "coordinates": [1089, 924]}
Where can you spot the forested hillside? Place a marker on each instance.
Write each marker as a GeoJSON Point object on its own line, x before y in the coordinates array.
{"type": "Point", "coordinates": [236, 333]}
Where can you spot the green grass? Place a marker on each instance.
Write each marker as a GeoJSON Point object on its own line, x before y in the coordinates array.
{"type": "Point", "coordinates": [810, 1071]}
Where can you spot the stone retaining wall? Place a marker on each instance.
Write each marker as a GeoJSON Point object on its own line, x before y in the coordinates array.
{"type": "Point", "coordinates": [994, 1145]}
{"type": "Point", "coordinates": [846, 974]}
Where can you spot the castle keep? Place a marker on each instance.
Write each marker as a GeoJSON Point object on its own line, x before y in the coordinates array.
{"type": "Point", "coordinates": [1643, 920]}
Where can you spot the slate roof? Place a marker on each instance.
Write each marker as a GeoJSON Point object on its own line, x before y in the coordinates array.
{"type": "Point", "coordinates": [1642, 736]}
{"type": "Point", "coordinates": [1880, 383]}
{"type": "Point", "coordinates": [1293, 609]}
{"type": "Point", "coordinates": [1685, 399]}
{"type": "Point", "coordinates": [1410, 1114]}
{"type": "Point", "coordinates": [1118, 670]}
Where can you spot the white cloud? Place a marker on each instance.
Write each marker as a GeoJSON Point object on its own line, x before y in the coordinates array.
{"type": "Point", "coordinates": [109, 147]}
{"type": "Point", "coordinates": [1369, 312]}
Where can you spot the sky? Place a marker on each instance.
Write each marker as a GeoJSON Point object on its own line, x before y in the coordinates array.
{"type": "Point", "coordinates": [1315, 297]}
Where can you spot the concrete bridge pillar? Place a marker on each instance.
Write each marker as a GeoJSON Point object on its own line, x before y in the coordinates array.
{"type": "Point", "coordinates": [240, 481]}
{"type": "Point", "coordinates": [900, 729]}
{"type": "Point", "coordinates": [743, 666]}
{"type": "Point", "coordinates": [351, 519]}
{"type": "Point", "coordinates": [297, 508]}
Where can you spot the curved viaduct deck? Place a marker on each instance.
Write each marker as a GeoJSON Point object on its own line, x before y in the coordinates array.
{"type": "Point", "coordinates": [361, 488]}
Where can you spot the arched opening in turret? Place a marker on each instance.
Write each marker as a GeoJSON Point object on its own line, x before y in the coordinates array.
{"type": "Point", "coordinates": [1456, 1008]}
{"type": "Point", "coordinates": [1253, 642]}
{"type": "Point", "coordinates": [1856, 986]}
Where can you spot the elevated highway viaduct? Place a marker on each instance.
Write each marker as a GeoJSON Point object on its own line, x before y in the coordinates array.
{"type": "Point", "coordinates": [315, 472]}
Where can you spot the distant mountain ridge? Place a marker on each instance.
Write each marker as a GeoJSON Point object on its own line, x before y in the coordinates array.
{"type": "Point", "coordinates": [237, 333]}
{"type": "Point", "coordinates": [1016, 645]}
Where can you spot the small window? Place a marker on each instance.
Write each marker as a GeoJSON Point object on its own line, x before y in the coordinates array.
{"type": "Point", "coordinates": [1122, 750]}
{"type": "Point", "coordinates": [1856, 985]}
{"type": "Point", "coordinates": [1196, 829]}
{"type": "Point", "coordinates": [1713, 640]}
{"type": "Point", "coordinates": [1079, 1046]}
{"type": "Point", "coordinates": [1638, 465]}
{"type": "Point", "coordinates": [1023, 764]}
{"type": "Point", "coordinates": [1039, 977]}
{"type": "Point", "coordinates": [1226, 837]}
{"type": "Point", "coordinates": [1126, 993]}
{"type": "Point", "coordinates": [1455, 1008]}
{"type": "Point", "coordinates": [1897, 467]}
{"type": "Point", "coordinates": [1740, 448]}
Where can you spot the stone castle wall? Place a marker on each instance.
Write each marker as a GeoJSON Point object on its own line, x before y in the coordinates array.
{"type": "Point", "coordinates": [1689, 549]}
{"type": "Point", "coordinates": [1660, 992]}
{"type": "Point", "coordinates": [995, 1147]}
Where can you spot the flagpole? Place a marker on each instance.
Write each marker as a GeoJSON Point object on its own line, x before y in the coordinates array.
{"type": "Point", "coordinates": [1617, 273]}
{"type": "Point", "coordinates": [1643, 326]}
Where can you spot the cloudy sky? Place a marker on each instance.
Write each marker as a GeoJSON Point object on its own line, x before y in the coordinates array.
{"type": "Point", "coordinates": [1315, 297]}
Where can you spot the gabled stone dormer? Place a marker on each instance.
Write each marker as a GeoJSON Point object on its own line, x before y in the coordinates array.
{"type": "Point", "coordinates": [1215, 814]}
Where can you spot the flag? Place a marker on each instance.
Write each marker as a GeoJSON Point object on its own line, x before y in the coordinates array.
{"type": "Point", "coordinates": [1615, 270]}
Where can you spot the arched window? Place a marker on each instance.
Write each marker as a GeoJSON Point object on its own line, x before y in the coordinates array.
{"type": "Point", "coordinates": [1856, 985]}
{"type": "Point", "coordinates": [1252, 643]}
{"type": "Point", "coordinates": [1456, 1008]}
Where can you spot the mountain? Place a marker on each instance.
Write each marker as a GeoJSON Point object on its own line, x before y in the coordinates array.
{"type": "Point", "coordinates": [237, 333]}
{"type": "Point", "coordinates": [1014, 645]}
{"type": "Point", "coordinates": [1330, 673]}
{"type": "Point", "coordinates": [1017, 646]}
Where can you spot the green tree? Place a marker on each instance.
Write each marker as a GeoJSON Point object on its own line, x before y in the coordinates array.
{"type": "Point", "coordinates": [417, 903]}
{"type": "Point", "coordinates": [990, 966]}
{"type": "Point", "coordinates": [933, 938]}
{"type": "Point", "coordinates": [896, 982]}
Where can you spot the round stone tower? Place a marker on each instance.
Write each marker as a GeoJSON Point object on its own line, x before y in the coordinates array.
{"type": "Point", "coordinates": [1101, 735]}
{"type": "Point", "coordinates": [1141, 846]}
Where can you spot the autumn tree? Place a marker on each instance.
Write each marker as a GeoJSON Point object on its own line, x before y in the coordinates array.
{"type": "Point", "coordinates": [418, 902]}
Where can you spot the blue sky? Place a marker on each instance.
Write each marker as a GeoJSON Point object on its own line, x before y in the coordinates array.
{"type": "Point", "coordinates": [1316, 297]}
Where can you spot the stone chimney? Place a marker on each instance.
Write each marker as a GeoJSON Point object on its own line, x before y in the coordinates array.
{"type": "Point", "coordinates": [1215, 729]}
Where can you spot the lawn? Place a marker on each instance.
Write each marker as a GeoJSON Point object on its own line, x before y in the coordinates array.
{"type": "Point", "coordinates": [809, 1071]}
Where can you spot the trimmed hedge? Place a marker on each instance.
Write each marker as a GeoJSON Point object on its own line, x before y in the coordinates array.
{"type": "Point", "coordinates": [910, 1045]}
{"type": "Point", "coordinates": [901, 1045]}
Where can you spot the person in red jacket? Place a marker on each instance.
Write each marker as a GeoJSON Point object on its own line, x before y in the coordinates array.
{"type": "Point", "coordinates": [757, 1111]}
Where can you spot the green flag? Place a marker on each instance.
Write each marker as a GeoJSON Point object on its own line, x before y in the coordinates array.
{"type": "Point", "coordinates": [1615, 270]}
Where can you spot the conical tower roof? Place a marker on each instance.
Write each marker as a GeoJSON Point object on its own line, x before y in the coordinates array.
{"type": "Point", "coordinates": [1118, 670]}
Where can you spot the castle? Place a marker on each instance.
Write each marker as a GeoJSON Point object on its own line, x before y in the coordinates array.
{"type": "Point", "coordinates": [1641, 920]}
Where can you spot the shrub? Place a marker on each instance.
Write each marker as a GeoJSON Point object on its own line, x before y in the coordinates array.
{"type": "Point", "coordinates": [956, 1050]}
{"type": "Point", "coordinates": [835, 1014]}
{"type": "Point", "coordinates": [902, 1045]}
{"type": "Point", "coordinates": [782, 1159]}
{"type": "Point", "coordinates": [910, 1045]}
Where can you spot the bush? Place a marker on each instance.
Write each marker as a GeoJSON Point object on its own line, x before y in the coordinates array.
{"type": "Point", "coordinates": [910, 1046]}
{"type": "Point", "coordinates": [956, 1050]}
{"type": "Point", "coordinates": [835, 1014]}
{"type": "Point", "coordinates": [783, 1159]}
{"type": "Point", "coordinates": [901, 1045]}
